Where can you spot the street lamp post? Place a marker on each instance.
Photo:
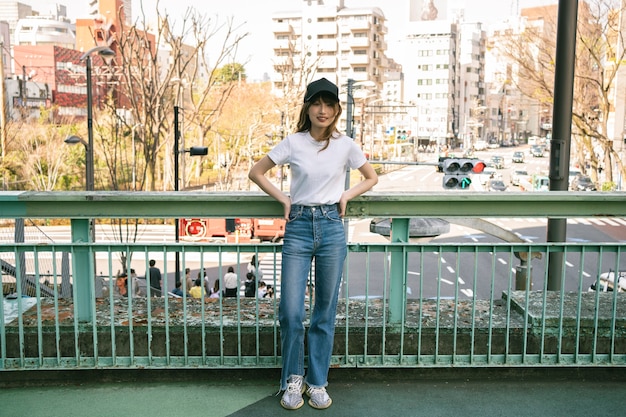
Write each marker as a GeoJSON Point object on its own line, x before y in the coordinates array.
{"type": "Point", "coordinates": [73, 140]}
{"type": "Point", "coordinates": [89, 183]}
{"type": "Point", "coordinates": [106, 53]}
{"type": "Point", "coordinates": [84, 264]}
{"type": "Point", "coordinates": [193, 151]}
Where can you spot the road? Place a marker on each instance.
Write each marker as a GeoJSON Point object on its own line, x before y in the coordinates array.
{"type": "Point", "coordinates": [468, 275]}
{"type": "Point", "coordinates": [430, 274]}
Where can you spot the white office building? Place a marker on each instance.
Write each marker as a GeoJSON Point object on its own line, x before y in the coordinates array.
{"type": "Point", "coordinates": [444, 77]}
{"type": "Point", "coordinates": [44, 30]}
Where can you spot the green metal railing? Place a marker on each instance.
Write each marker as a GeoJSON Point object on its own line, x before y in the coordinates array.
{"type": "Point", "coordinates": [402, 303]}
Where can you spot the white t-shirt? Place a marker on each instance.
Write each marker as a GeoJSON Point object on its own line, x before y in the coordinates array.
{"type": "Point", "coordinates": [230, 280]}
{"type": "Point", "coordinates": [317, 177]}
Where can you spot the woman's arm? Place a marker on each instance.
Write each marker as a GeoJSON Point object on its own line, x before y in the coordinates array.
{"type": "Point", "coordinates": [257, 175]}
{"type": "Point", "coordinates": [370, 179]}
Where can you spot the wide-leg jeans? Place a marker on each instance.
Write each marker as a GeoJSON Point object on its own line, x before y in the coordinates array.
{"type": "Point", "coordinates": [312, 232]}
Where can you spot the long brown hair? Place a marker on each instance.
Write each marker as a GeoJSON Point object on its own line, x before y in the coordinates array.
{"type": "Point", "coordinates": [304, 123]}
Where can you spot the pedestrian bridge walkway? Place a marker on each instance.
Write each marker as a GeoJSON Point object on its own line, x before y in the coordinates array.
{"type": "Point", "coordinates": [506, 320]}
{"type": "Point", "coordinates": [396, 393]}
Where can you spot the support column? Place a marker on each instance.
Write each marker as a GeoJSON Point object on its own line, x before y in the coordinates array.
{"type": "Point", "coordinates": [397, 275]}
{"type": "Point", "coordinates": [83, 268]}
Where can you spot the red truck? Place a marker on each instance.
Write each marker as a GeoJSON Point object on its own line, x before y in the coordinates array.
{"type": "Point", "coordinates": [232, 230]}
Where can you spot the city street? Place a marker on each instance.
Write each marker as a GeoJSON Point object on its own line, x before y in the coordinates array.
{"type": "Point", "coordinates": [430, 274]}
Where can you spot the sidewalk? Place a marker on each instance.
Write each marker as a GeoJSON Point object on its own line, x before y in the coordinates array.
{"type": "Point", "coordinates": [360, 393]}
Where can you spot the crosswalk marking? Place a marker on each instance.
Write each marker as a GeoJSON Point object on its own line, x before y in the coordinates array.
{"type": "Point", "coordinates": [509, 223]}
{"type": "Point", "coordinates": [271, 265]}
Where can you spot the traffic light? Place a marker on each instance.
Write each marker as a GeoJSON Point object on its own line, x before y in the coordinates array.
{"type": "Point", "coordinates": [457, 171]}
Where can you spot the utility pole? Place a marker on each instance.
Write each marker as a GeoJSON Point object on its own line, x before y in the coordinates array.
{"type": "Point", "coordinates": [562, 129]}
{"type": "Point", "coordinates": [349, 108]}
{"type": "Point", "coordinates": [3, 110]}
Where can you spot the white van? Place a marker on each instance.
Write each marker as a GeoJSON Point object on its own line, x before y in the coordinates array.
{"type": "Point", "coordinates": [480, 145]}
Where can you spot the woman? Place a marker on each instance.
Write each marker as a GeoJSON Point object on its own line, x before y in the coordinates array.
{"type": "Point", "coordinates": [253, 267]}
{"type": "Point", "coordinates": [230, 283]}
{"type": "Point", "coordinates": [197, 291]}
{"type": "Point", "coordinates": [319, 157]}
{"type": "Point", "coordinates": [215, 291]}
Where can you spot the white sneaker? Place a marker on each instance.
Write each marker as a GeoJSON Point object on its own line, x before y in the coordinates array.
{"type": "Point", "coordinates": [292, 397]}
{"type": "Point", "coordinates": [318, 398]}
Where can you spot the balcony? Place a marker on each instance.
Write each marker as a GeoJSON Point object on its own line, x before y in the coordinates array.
{"type": "Point", "coordinates": [282, 28]}
{"type": "Point", "coordinates": [328, 45]}
{"type": "Point", "coordinates": [282, 45]}
{"type": "Point", "coordinates": [326, 28]}
{"type": "Point", "coordinates": [400, 304]}
{"type": "Point", "coordinates": [359, 60]}
{"type": "Point", "coordinates": [361, 42]}
{"type": "Point", "coordinates": [358, 25]}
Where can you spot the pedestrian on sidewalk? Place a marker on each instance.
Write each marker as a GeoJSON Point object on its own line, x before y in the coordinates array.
{"type": "Point", "coordinates": [155, 279]}
{"type": "Point", "coordinates": [318, 156]}
{"type": "Point", "coordinates": [231, 287]}
{"type": "Point", "coordinates": [254, 267]}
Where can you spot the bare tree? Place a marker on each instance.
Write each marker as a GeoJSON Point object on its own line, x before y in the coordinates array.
{"type": "Point", "coordinates": [598, 60]}
{"type": "Point", "coordinates": [168, 68]}
{"type": "Point", "coordinates": [154, 71]}
{"type": "Point", "coordinates": [297, 68]}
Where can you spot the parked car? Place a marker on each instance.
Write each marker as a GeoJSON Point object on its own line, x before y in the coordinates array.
{"type": "Point", "coordinates": [606, 282]}
{"type": "Point", "coordinates": [518, 157]}
{"type": "Point", "coordinates": [480, 145]}
{"type": "Point", "coordinates": [487, 174]}
{"type": "Point", "coordinates": [573, 173]}
{"type": "Point", "coordinates": [536, 151]}
{"type": "Point", "coordinates": [518, 175]}
{"type": "Point", "coordinates": [582, 183]}
{"type": "Point", "coordinates": [497, 162]}
{"type": "Point", "coordinates": [497, 185]}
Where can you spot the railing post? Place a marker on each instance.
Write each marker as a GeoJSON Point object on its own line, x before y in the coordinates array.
{"type": "Point", "coordinates": [397, 274]}
{"type": "Point", "coordinates": [82, 266]}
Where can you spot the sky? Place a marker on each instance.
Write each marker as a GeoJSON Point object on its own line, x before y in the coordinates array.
{"type": "Point", "coordinates": [254, 17]}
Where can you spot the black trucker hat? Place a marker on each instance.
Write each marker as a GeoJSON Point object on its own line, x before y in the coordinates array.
{"type": "Point", "coordinates": [321, 86]}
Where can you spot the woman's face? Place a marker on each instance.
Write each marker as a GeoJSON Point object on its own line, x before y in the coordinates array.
{"type": "Point", "coordinates": [321, 114]}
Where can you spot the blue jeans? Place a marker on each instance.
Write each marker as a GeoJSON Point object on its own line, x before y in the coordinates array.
{"type": "Point", "coordinates": [311, 233]}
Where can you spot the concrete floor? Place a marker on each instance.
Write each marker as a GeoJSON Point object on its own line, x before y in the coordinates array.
{"type": "Point", "coordinates": [412, 392]}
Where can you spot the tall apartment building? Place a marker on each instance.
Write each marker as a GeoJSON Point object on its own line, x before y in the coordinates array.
{"type": "Point", "coordinates": [471, 84]}
{"type": "Point", "coordinates": [336, 42]}
{"type": "Point", "coordinates": [444, 77]}
{"type": "Point", "coordinates": [431, 79]}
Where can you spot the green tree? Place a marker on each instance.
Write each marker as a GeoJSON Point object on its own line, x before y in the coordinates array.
{"type": "Point", "coordinates": [231, 73]}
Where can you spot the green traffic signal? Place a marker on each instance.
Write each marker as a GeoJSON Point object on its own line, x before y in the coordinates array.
{"type": "Point", "coordinates": [456, 181]}
{"type": "Point", "coordinates": [465, 182]}
{"type": "Point", "coordinates": [457, 172]}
